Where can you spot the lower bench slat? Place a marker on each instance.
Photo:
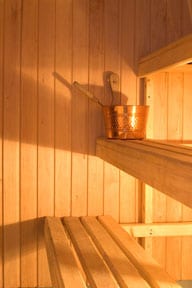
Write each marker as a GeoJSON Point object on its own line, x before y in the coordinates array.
{"type": "Point", "coordinates": [146, 265]}
{"type": "Point", "coordinates": [123, 270]}
{"type": "Point", "coordinates": [96, 271]}
{"type": "Point", "coordinates": [63, 267]}
{"type": "Point", "coordinates": [109, 257]}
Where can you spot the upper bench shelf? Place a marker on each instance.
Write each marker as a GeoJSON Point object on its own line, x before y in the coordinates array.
{"type": "Point", "coordinates": [166, 167]}
{"type": "Point", "coordinates": [173, 57]}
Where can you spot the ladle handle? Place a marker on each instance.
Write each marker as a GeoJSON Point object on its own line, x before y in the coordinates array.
{"type": "Point", "coordinates": [114, 85]}
{"type": "Point", "coordinates": [87, 93]}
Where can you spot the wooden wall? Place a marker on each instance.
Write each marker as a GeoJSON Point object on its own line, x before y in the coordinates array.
{"type": "Point", "coordinates": [169, 97]}
{"type": "Point", "coordinates": [48, 129]}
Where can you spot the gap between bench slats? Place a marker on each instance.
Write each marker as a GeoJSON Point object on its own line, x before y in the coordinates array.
{"type": "Point", "coordinates": [156, 276]}
{"type": "Point", "coordinates": [63, 267]}
{"type": "Point", "coordinates": [93, 265]}
{"type": "Point", "coordinates": [130, 265]}
{"type": "Point", "coordinates": [123, 270]}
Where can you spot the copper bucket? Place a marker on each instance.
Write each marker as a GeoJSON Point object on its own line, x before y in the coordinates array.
{"type": "Point", "coordinates": [125, 121]}
{"type": "Point", "coordinates": [121, 121]}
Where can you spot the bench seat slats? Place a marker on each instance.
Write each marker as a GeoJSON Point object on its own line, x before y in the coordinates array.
{"type": "Point", "coordinates": [122, 268]}
{"type": "Point", "coordinates": [96, 271]}
{"type": "Point", "coordinates": [96, 252]}
{"type": "Point", "coordinates": [60, 255]}
{"type": "Point", "coordinates": [148, 267]}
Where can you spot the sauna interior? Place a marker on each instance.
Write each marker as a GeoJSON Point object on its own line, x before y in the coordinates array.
{"type": "Point", "coordinates": [48, 130]}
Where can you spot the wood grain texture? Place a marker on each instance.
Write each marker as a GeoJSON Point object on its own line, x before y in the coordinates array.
{"type": "Point", "coordinates": [97, 251]}
{"type": "Point", "coordinates": [122, 268]}
{"type": "Point", "coordinates": [178, 24]}
{"type": "Point", "coordinates": [28, 158]}
{"type": "Point", "coordinates": [79, 40]}
{"type": "Point", "coordinates": [159, 229]}
{"type": "Point", "coordinates": [80, 108]}
{"type": "Point", "coordinates": [170, 93]}
{"type": "Point", "coordinates": [96, 125]}
{"type": "Point", "coordinates": [145, 264]}
{"type": "Point", "coordinates": [167, 58]}
{"type": "Point", "coordinates": [186, 269]}
{"type": "Point", "coordinates": [186, 17]}
{"type": "Point", "coordinates": [146, 190]}
{"type": "Point", "coordinates": [173, 27]}
{"type": "Point", "coordinates": [45, 127]}
{"type": "Point", "coordinates": [142, 23]}
{"type": "Point", "coordinates": [158, 104]}
{"type": "Point", "coordinates": [96, 271]}
{"type": "Point", "coordinates": [11, 147]}
{"type": "Point", "coordinates": [142, 47]}
{"type": "Point", "coordinates": [147, 214]}
{"type": "Point", "coordinates": [174, 209]}
{"type": "Point", "coordinates": [112, 64]}
{"type": "Point", "coordinates": [158, 166]}
{"type": "Point", "coordinates": [128, 189]}
{"type": "Point", "coordinates": [127, 46]}
{"type": "Point", "coordinates": [158, 19]}
{"type": "Point", "coordinates": [63, 107]}
{"type": "Point", "coordinates": [61, 258]}
{"type": "Point", "coordinates": [1, 138]}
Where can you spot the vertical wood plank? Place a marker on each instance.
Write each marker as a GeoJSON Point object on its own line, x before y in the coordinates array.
{"type": "Point", "coordinates": [112, 63]}
{"type": "Point", "coordinates": [175, 106]}
{"type": "Point", "coordinates": [29, 145]}
{"type": "Point", "coordinates": [11, 143]}
{"type": "Point", "coordinates": [158, 13]}
{"type": "Point", "coordinates": [187, 107]}
{"type": "Point", "coordinates": [147, 215]}
{"type": "Point", "coordinates": [112, 43]}
{"type": "Point", "coordinates": [96, 125]}
{"type": "Point", "coordinates": [111, 191]}
{"type": "Point", "coordinates": [186, 17]}
{"type": "Point", "coordinates": [128, 193]}
{"type": "Point", "coordinates": [174, 209]}
{"type": "Point", "coordinates": [117, 45]}
{"type": "Point", "coordinates": [80, 108]}
{"type": "Point", "coordinates": [127, 37]}
{"type": "Point", "coordinates": [147, 191]}
{"type": "Point", "coordinates": [1, 135]}
{"type": "Point", "coordinates": [173, 20]}
{"type": "Point", "coordinates": [128, 199]}
{"type": "Point", "coordinates": [63, 108]}
{"type": "Point", "coordinates": [186, 269]}
{"type": "Point", "coordinates": [159, 215]}
{"type": "Point", "coordinates": [160, 95]}
{"type": "Point", "coordinates": [142, 47]}
{"type": "Point", "coordinates": [160, 91]}
{"type": "Point", "coordinates": [142, 29]}
{"type": "Point", "coordinates": [45, 128]}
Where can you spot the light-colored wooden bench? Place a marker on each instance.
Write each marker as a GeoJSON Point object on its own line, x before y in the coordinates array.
{"type": "Point", "coordinates": [98, 252]}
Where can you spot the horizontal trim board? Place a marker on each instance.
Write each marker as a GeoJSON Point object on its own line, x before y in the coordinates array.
{"type": "Point", "coordinates": [159, 229]}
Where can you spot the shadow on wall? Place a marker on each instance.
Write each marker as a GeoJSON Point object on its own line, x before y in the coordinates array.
{"type": "Point", "coordinates": [113, 98]}
{"type": "Point", "coordinates": [27, 234]}
{"type": "Point", "coordinates": [64, 119]}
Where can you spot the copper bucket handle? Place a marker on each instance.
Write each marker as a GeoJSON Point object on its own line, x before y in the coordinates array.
{"type": "Point", "coordinates": [113, 80]}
